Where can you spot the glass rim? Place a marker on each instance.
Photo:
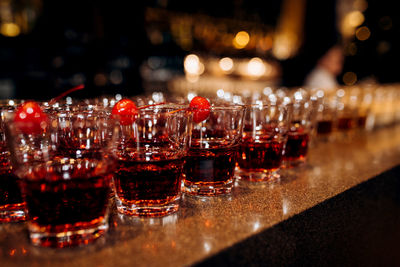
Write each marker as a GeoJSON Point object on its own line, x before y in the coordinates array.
{"type": "Point", "coordinates": [226, 107]}
{"type": "Point", "coordinates": [11, 102]}
{"type": "Point", "coordinates": [268, 104]}
{"type": "Point", "coordinates": [186, 107]}
{"type": "Point", "coordinates": [162, 108]}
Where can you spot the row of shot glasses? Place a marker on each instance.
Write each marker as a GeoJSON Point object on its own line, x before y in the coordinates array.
{"type": "Point", "coordinates": [61, 175]}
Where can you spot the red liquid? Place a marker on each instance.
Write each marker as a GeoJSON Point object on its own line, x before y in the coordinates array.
{"type": "Point", "coordinates": [324, 127]}
{"type": "Point", "coordinates": [296, 146]}
{"type": "Point", "coordinates": [66, 197]}
{"type": "Point", "coordinates": [345, 123]}
{"type": "Point", "coordinates": [72, 144]}
{"type": "Point", "coordinates": [148, 183]}
{"type": "Point", "coordinates": [361, 121]}
{"type": "Point", "coordinates": [260, 155]}
{"type": "Point", "coordinates": [210, 166]}
{"type": "Point", "coordinates": [10, 193]}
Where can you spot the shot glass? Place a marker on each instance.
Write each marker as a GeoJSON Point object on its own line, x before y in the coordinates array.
{"type": "Point", "coordinates": [263, 142]}
{"type": "Point", "coordinates": [346, 101]}
{"type": "Point", "coordinates": [210, 164]}
{"type": "Point", "coordinates": [66, 190]}
{"type": "Point", "coordinates": [151, 153]}
{"type": "Point", "coordinates": [12, 205]}
{"type": "Point", "coordinates": [326, 116]}
{"type": "Point", "coordinates": [302, 124]}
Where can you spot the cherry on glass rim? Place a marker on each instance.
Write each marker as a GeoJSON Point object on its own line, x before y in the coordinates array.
{"type": "Point", "coordinates": [30, 119]}
{"type": "Point", "coordinates": [125, 110]}
{"type": "Point", "coordinates": [200, 107]}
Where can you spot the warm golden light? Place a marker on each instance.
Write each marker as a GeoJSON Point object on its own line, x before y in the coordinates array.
{"type": "Point", "coordinates": [10, 29]}
{"type": "Point", "coordinates": [363, 33]}
{"type": "Point", "coordinates": [360, 5]}
{"type": "Point", "coordinates": [241, 39]}
{"type": "Point", "coordinates": [256, 67]}
{"type": "Point", "coordinates": [193, 65]}
{"type": "Point", "coordinates": [283, 46]}
{"type": "Point", "coordinates": [226, 64]}
{"type": "Point", "coordinates": [350, 21]}
{"type": "Point", "coordinates": [290, 28]}
{"type": "Point", "coordinates": [349, 78]}
{"type": "Point", "coordinates": [266, 43]}
{"type": "Point", "coordinates": [355, 18]}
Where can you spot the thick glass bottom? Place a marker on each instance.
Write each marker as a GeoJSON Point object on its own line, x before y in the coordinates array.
{"type": "Point", "coordinates": [40, 237]}
{"type": "Point", "coordinates": [294, 162]}
{"type": "Point", "coordinates": [12, 213]}
{"type": "Point", "coordinates": [260, 176]}
{"type": "Point", "coordinates": [207, 188]}
{"type": "Point", "coordinates": [147, 209]}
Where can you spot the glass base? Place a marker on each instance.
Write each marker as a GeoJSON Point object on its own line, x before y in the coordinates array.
{"type": "Point", "coordinates": [257, 176]}
{"type": "Point", "coordinates": [294, 162]}
{"type": "Point", "coordinates": [13, 213]}
{"type": "Point", "coordinates": [68, 238]}
{"type": "Point", "coordinates": [207, 188]}
{"type": "Point", "coordinates": [147, 210]}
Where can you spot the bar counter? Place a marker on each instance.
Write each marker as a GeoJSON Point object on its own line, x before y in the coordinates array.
{"type": "Point", "coordinates": [243, 227]}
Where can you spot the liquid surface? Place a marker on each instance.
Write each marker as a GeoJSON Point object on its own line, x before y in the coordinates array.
{"type": "Point", "coordinates": [67, 195]}
{"type": "Point", "coordinates": [210, 165]}
{"type": "Point", "coordinates": [259, 155]}
{"type": "Point", "coordinates": [153, 182]}
{"type": "Point", "coordinates": [296, 146]}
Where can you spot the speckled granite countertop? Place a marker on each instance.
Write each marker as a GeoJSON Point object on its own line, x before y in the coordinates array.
{"type": "Point", "coordinates": [206, 226]}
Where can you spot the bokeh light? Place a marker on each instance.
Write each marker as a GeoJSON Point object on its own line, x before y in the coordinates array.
{"type": "Point", "coordinates": [10, 29]}
{"type": "Point", "coordinates": [256, 67]}
{"type": "Point", "coordinates": [241, 40]}
{"type": "Point", "coordinates": [226, 64]}
{"type": "Point", "coordinates": [192, 65]}
{"type": "Point", "coordinates": [363, 33]}
{"type": "Point", "coordinates": [355, 18]}
{"type": "Point", "coordinates": [349, 78]}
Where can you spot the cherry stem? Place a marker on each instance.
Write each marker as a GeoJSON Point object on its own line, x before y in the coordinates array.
{"type": "Point", "coordinates": [176, 110]}
{"type": "Point", "coordinates": [152, 105]}
{"type": "Point", "coordinates": [76, 88]}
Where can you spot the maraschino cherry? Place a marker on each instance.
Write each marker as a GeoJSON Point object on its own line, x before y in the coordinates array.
{"type": "Point", "coordinates": [125, 110]}
{"type": "Point", "coordinates": [200, 107]}
{"type": "Point", "coordinates": [30, 119]}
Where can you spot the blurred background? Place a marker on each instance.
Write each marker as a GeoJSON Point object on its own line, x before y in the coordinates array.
{"type": "Point", "coordinates": [47, 47]}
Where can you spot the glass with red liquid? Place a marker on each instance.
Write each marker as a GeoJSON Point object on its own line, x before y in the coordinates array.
{"type": "Point", "coordinates": [326, 116]}
{"type": "Point", "coordinates": [210, 163]}
{"type": "Point", "coordinates": [151, 153]}
{"type": "Point", "coordinates": [65, 171]}
{"type": "Point", "coordinates": [264, 138]}
{"type": "Point", "coordinates": [302, 125]}
{"type": "Point", "coordinates": [347, 99]}
{"type": "Point", "coordinates": [12, 205]}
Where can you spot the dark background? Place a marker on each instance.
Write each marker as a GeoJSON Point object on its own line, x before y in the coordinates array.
{"type": "Point", "coordinates": [103, 44]}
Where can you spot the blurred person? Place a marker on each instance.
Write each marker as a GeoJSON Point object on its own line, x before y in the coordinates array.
{"type": "Point", "coordinates": [320, 35]}
{"type": "Point", "coordinates": [328, 67]}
